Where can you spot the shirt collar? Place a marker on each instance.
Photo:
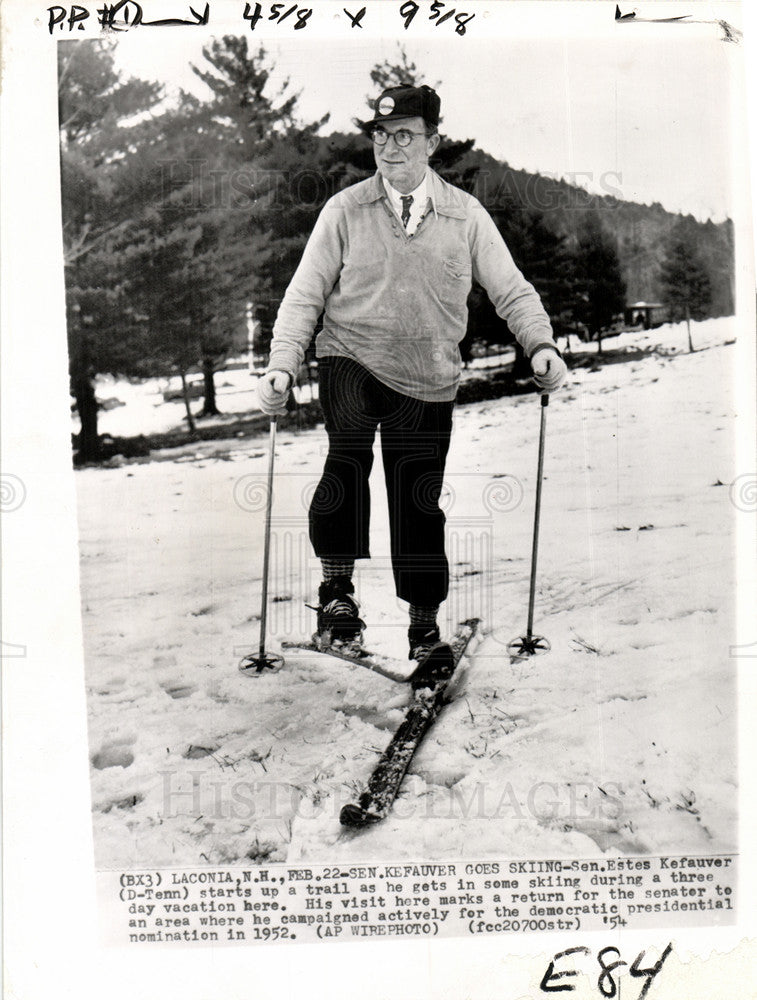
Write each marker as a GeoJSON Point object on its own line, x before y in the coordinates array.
{"type": "Point", "coordinates": [445, 199]}
{"type": "Point", "coordinates": [420, 195]}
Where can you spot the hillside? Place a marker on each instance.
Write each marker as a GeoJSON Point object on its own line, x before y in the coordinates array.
{"type": "Point", "coordinates": [640, 230]}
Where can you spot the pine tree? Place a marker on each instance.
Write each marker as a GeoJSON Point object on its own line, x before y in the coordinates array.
{"type": "Point", "coordinates": [545, 259]}
{"type": "Point", "coordinates": [189, 240]}
{"type": "Point", "coordinates": [98, 138]}
{"type": "Point", "coordinates": [403, 72]}
{"type": "Point", "coordinates": [600, 289]}
{"type": "Point", "coordinates": [685, 285]}
{"type": "Point", "coordinates": [257, 214]}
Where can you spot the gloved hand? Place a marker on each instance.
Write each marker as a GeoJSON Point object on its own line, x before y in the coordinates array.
{"type": "Point", "coordinates": [273, 392]}
{"type": "Point", "coordinates": [549, 369]}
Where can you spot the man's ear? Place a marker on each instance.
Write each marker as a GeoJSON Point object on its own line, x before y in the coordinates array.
{"type": "Point", "coordinates": [433, 141]}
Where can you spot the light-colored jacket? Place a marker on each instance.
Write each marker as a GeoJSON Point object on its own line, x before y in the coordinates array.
{"type": "Point", "coordinates": [397, 304]}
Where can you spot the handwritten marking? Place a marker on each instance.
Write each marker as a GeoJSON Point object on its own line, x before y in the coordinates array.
{"type": "Point", "coordinates": [550, 976]}
{"type": "Point", "coordinates": [253, 16]}
{"type": "Point", "coordinates": [554, 982]}
{"type": "Point", "coordinates": [119, 17]}
{"type": "Point", "coordinates": [355, 18]}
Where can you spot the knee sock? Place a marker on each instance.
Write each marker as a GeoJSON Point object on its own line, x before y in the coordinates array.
{"type": "Point", "coordinates": [337, 567]}
{"type": "Point", "coordinates": [422, 614]}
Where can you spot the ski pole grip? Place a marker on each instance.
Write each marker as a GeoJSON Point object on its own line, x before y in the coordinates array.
{"type": "Point", "coordinates": [545, 399]}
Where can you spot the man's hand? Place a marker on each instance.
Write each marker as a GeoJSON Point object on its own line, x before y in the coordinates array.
{"type": "Point", "coordinates": [273, 392]}
{"type": "Point", "coordinates": [549, 369]}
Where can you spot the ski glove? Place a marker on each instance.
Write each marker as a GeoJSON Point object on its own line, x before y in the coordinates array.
{"type": "Point", "coordinates": [273, 392]}
{"type": "Point", "coordinates": [549, 369]}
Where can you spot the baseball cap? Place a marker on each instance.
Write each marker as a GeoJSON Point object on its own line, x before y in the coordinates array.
{"type": "Point", "coordinates": [405, 101]}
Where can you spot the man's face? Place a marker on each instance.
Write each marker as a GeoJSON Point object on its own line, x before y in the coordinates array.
{"type": "Point", "coordinates": [404, 166]}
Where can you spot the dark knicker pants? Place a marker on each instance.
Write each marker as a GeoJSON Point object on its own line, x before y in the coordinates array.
{"type": "Point", "coordinates": [414, 442]}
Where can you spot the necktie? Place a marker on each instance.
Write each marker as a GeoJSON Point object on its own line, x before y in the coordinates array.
{"type": "Point", "coordinates": [407, 201]}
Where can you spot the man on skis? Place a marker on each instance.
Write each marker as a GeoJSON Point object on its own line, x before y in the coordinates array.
{"type": "Point", "coordinates": [389, 264]}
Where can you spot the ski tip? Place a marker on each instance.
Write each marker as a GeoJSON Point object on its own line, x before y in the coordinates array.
{"type": "Point", "coordinates": [355, 816]}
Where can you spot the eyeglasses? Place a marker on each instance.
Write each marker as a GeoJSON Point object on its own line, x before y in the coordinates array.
{"type": "Point", "coordinates": [402, 137]}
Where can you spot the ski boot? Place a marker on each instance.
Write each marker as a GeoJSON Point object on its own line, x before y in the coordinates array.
{"type": "Point", "coordinates": [338, 622]}
{"type": "Point", "coordinates": [435, 658]}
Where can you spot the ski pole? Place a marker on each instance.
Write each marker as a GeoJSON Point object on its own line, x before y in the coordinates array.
{"type": "Point", "coordinates": [537, 514]}
{"type": "Point", "coordinates": [529, 644]}
{"type": "Point", "coordinates": [263, 661]}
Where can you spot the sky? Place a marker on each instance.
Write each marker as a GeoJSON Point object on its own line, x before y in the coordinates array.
{"type": "Point", "coordinates": [632, 115]}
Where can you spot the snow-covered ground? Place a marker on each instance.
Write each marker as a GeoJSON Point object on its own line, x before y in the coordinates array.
{"type": "Point", "coordinates": [139, 407]}
{"type": "Point", "coordinates": [621, 739]}
{"type": "Point", "coordinates": [153, 405]}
